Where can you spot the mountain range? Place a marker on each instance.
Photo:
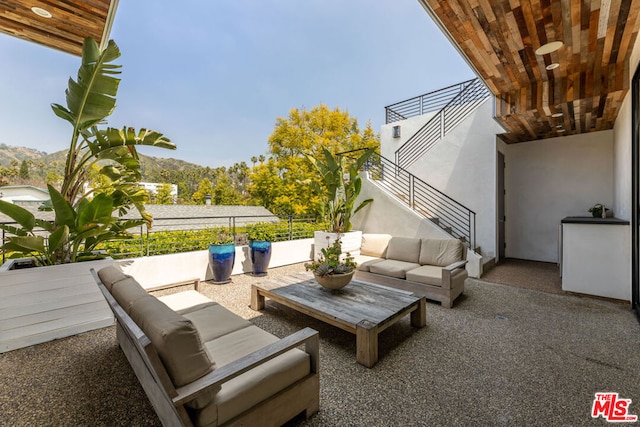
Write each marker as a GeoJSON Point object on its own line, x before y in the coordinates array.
{"type": "Point", "coordinates": [150, 165]}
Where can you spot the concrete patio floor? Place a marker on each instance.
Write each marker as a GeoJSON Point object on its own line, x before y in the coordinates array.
{"type": "Point", "coordinates": [502, 356]}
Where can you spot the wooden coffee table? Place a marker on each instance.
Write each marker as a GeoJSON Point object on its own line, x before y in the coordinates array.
{"type": "Point", "coordinates": [363, 309]}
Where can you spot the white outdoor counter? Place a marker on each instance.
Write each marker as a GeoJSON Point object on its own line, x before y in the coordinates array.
{"type": "Point", "coordinates": [595, 256]}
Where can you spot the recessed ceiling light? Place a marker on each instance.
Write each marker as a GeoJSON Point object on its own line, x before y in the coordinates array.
{"type": "Point", "coordinates": [559, 126]}
{"type": "Point", "coordinates": [558, 114]}
{"type": "Point", "coordinates": [552, 66]}
{"type": "Point", "coordinates": [41, 12]}
{"type": "Point", "coordinates": [549, 47]}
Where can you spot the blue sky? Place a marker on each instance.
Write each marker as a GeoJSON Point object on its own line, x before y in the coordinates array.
{"type": "Point", "coordinates": [214, 76]}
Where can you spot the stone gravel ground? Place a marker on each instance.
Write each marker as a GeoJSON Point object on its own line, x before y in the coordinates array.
{"type": "Point", "coordinates": [503, 356]}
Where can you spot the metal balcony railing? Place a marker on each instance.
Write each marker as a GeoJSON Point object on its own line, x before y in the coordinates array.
{"type": "Point", "coordinates": [423, 104]}
{"type": "Point", "coordinates": [185, 234]}
{"type": "Point", "coordinates": [450, 215]}
{"type": "Point", "coordinates": [459, 105]}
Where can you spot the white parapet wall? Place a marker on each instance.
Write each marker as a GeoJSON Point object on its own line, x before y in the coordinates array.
{"type": "Point", "coordinates": [159, 270]}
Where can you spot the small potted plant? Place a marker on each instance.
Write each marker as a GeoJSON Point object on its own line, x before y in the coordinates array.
{"type": "Point", "coordinates": [333, 270]}
{"type": "Point", "coordinates": [222, 255]}
{"type": "Point", "coordinates": [260, 236]}
{"type": "Point", "coordinates": [600, 211]}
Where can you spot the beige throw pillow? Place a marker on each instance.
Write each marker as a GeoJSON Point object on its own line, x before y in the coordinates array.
{"type": "Point", "coordinates": [440, 252]}
{"type": "Point", "coordinates": [375, 244]}
{"type": "Point", "coordinates": [404, 249]}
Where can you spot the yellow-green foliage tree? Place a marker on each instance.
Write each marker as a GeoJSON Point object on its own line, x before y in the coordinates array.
{"type": "Point", "coordinates": [164, 196]}
{"type": "Point", "coordinates": [204, 187]}
{"type": "Point", "coordinates": [282, 183]}
{"type": "Point", "coordinates": [224, 193]}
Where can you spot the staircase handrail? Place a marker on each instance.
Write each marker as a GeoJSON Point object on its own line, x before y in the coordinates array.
{"type": "Point", "coordinates": [452, 216]}
{"type": "Point", "coordinates": [441, 123]}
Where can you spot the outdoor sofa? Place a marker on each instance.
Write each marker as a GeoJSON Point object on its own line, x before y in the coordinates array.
{"type": "Point", "coordinates": [200, 364]}
{"type": "Point", "coordinates": [434, 268]}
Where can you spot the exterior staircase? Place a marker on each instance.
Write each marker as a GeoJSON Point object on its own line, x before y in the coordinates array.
{"type": "Point", "coordinates": [451, 106]}
{"type": "Point", "coordinates": [453, 217]}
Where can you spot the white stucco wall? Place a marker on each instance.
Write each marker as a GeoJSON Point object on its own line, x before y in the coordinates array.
{"type": "Point", "coordinates": [622, 161]}
{"type": "Point", "coordinates": [160, 270]}
{"type": "Point", "coordinates": [389, 215]}
{"type": "Point", "coordinates": [552, 179]}
{"type": "Point", "coordinates": [408, 127]}
{"type": "Point", "coordinates": [622, 147]}
{"type": "Point", "coordinates": [462, 166]}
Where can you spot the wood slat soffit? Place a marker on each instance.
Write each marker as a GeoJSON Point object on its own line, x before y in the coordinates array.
{"type": "Point", "coordinates": [70, 23]}
{"type": "Point", "coordinates": [499, 39]}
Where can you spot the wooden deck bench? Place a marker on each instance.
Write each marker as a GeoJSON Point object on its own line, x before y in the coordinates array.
{"type": "Point", "coordinates": [200, 364]}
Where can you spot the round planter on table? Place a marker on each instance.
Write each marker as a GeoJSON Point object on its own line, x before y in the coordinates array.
{"type": "Point", "coordinates": [221, 259]}
{"type": "Point", "coordinates": [334, 281]}
{"type": "Point", "coordinates": [260, 256]}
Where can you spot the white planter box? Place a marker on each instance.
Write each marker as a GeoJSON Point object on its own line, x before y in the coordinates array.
{"type": "Point", "coordinates": [41, 304]}
{"type": "Point", "coordinates": [351, 242]}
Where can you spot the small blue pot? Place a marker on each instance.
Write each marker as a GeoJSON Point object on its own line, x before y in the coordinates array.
{"type": "Point", "coordinates": [222, 258]}
{"type": "Point", "coordinates": [260, 256]}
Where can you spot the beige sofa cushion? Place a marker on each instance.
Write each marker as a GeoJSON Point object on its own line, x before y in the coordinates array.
{"type": "Point", "coordinates": [405, 249]}
{"type": "Point", "coordinates": [440, 252]}
{"type": "Point", "coordinates": [393, 268]}
{"type": "Point", "coordinates": [175, 339]}
{"type": "Point", "coordinates": [375, 245]}
{"type": "Point", "coordinates": [427, 274]}
{"type": "Point", "coordinates": [213, 321]}
{"type": "Point", "coordinates": [110, 275]}
{"type": "Point", "coordinates": [254, 386]}
{"type": "Point", "coordinates": [365, 261]}
{"type": "Point", "coordinates": [185, 301]}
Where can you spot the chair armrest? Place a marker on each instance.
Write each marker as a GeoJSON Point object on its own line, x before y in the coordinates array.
{"type": "Point", "coordinates": [214, 379]}
{"type": "Point", "coordinates": [448, 271]}
{"type": "Point", "coordinates": [457, 264]}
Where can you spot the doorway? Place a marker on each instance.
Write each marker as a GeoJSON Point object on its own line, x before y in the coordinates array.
{"type": "Point", "coordinates": [502, 242]}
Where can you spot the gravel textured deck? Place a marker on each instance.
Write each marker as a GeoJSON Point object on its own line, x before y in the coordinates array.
{"type": "Point", "coordinates": [502, 356]}
{"type": "Point", "coordinates": [543, 276]}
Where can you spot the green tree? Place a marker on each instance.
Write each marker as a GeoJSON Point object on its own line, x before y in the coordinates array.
{"type": "Point", "coordinates": [164, 196]}
{"type": "Point", "coordinates": [284, 182]}
{"type": "Point", "coordinates": [205, 187]}
{"type": "Point", "coordinates": [224, 193]}
{"type": "Point", "coordinates": [24, 170]}
{"type": "Point", "coordinates": [53, 177]}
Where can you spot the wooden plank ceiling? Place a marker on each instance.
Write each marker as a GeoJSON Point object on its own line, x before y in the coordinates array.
{"type": "Point", "coordinates": [500, 37]}
{"type": "Point", "coordinates": [70, 23]}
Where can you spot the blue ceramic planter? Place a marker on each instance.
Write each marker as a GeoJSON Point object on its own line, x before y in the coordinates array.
{"type": "Point", "coordinates": [221, 259]}
{"type": "Point", "coordinates": [260, 256]}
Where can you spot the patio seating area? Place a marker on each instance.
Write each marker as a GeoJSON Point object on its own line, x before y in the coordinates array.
{"type": "Point", "coordinates": [505, 356]}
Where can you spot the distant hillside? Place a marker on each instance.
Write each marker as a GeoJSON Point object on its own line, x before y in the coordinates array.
{"type": "Point", "coordinates": [8, 153]}
{"type": "Point", "coordinates": [150, 165]}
